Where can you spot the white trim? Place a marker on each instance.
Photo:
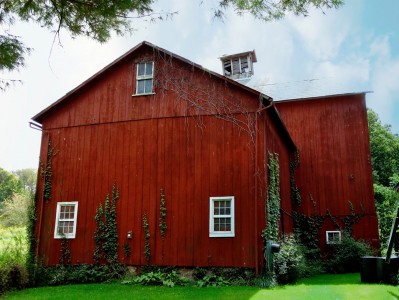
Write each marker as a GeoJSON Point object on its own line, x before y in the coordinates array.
{"type": "Point", "coordinates": [333, 232]}
{"type": "Point", "coordinates": [57, 220]}
{"type": "Point", "coordinates": [144, 77]}
{"type": "Point", "coordinates": [212, 232]}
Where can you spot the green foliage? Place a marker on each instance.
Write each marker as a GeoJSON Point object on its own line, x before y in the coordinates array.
{"type": "Point", "coordinates": [13, 249]}
{"type": "Point", "coordinates": [162, 216]}
{"type": "Point", "coordinates": [295, 193]}
{"type": "Point", "coordinates": [346, 256]}
{"type": "Point", "coordinates": [271, 232]}
{"type": "Point", "coordinates": [68, 274]}
{"type": "Point", "coordinates": [31, 262]}
{"type": "Point", "coordinates": [386, 199]}
{"type": "Point", "coordinates": [289, 263]}
{"type": "Point", "coordinates": [384, 148]}
{"type": "Point", "coordinates": [46, 171]}
{"type": "Point", "coordinates": [14, 210]}
{"type": "Point", "coordinates": [147, 247]}
{"type": "Point", "coordinates": [65, 257]}
{"type": "Point", "coordinates": [167, 279]}
{"type": "Point", "coordinates": [272, 10]}
{"type": "Point", "coordinates": [126, 250]}
{"type": "Point", "coordinates": [212, 280]}
{"type": "Point", "coordinates": [27, 178]}
{"type": "Point", "coordinates": [9, 184]}
{"type": "Point", "coordinates": [106, 233]}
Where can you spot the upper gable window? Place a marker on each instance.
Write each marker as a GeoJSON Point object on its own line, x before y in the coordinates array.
{"type": "Point", "coordinates": [145, 78]}
{"type": "Point", "coordinates": [236, 66]}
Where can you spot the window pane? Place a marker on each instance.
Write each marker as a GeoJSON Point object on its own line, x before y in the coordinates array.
{"type": "Point", "coordinates": [140, 69]}
{"type": "Point", "coordinates": [244, 63]}
{"type": "Point", "coordinates": [236, 66]}
{"type": "Point", "coordinates": [140, 87]}
{"type": "Point", "coordinates": [148, 69]}
{"type": "Point", "coordinates": [148, 85]}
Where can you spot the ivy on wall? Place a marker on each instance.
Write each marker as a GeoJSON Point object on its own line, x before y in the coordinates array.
{"type": "Point", "coordinates": [272, 207]}
{"type": "Point", "coordinates": [46, 170]}
{"type": "Point", "coordinates": [307, 228]}
{"type": "Point", "coordinates": [65, 257]}
{"type": "Point", "coordinates": [106, 234]}
{"type": "Point", "coordinates": [147, 249]}
{"type": "Point", "coordinates": [162, 216]}
{"type": "Point", "coordinates": [295, 194]}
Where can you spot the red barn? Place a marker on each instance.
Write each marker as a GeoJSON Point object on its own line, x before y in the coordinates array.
{"type": "Point", "coordinates": [188, 151]}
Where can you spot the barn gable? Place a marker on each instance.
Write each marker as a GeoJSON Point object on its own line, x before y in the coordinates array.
{"type": "Point", "coordinates": [193, 134]}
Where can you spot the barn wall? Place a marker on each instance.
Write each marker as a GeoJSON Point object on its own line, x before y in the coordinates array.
{"type": "Point", "coordinates": [271, 140]}
{"type": "Point", "coordinates": [191, 161]}
{"type": "Point", "coordinates": [331, 134]}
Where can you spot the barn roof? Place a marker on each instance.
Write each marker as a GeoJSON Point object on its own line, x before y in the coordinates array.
{"type": "Point", "coordinates": [266, 100]}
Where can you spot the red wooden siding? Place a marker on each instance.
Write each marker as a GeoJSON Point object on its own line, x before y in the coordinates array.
{"type": "Point", "coordinates": [189, 163]}
{"type": "Point", "coordinates": [331, 134]}
{"type": "Point", "coordinates": [197, 136]}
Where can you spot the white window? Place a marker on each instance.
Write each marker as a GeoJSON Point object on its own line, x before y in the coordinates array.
{"type": "Point", "coordinates": [145, 78]}
{"type": "Point", "coordinates": [333, 237]}
{"type": "Point", "coordinates": [221, 216]}
{"type": "Point", "coordinates": [65, 220]}
{"type": "Point", "coordinates": [236, 66]}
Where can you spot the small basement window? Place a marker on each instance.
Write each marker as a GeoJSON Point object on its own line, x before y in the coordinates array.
{"type": "Point", "coordinates": [333, 237]}
{"type": "Point", "coordinates": [65, 220]}
{"type": "Point", "coordinates": [145, 78]}
{"type": "Point", "coordinates": [221, 216]}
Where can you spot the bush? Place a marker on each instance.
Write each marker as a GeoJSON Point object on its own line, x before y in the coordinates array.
{"type": "Point", "coordinates": [346, 256]}
{"type": "Point", "coordinates": [161, 278]}
{"type": "Point", "coordinates": [289, 263]}
{"type": "Point", "coordinates": [67, 274]}
{"type": "Point", "coordinates": [212, 280]}
{"type": "Point", "coordinates": [13, 276]}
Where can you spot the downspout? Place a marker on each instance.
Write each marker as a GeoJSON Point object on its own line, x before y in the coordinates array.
{"type": "Point", "coordinates": [256, 180]}
{"type": "Point", "coordinates": [45, 137]}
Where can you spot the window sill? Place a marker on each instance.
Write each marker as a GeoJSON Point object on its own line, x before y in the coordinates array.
{"type": "Point", "coordinates": [221, 234]}
{"type": "Point", "coordinates": [144, 94]}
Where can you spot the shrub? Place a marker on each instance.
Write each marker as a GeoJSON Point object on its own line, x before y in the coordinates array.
{"type": "Point", "coordinates": [67, 274]}
{"type": "Point", "coordinates": [212, 280]}
{"type": "Point", "coordinates": [161, 278]}
{"type": "Point", "coordinates": [346, 256]}
{"type": "Point", "coordinates": [289, 263]}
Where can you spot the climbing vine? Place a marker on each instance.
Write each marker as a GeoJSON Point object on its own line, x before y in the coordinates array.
{"type": "Point", "coordinates": [162, 216]}
{"type": "Point", "coordinates": [46, 170]}
{"type": "Point", "coordinates": [295, 194]}
{"type": "Point", "coordinates": [308, 228]}
{"type": "Point", "coordinates": [65, 257]}
{"type": "Point", "coordinates": [271, 232]}
{"type": "Point", "coordinates": [147, 249]}
{"type": "Point", "coordinates": [106, 234]}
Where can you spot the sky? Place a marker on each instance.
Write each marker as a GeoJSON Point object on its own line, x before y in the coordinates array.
{"type": "Point", "coordinates": [352, 49]}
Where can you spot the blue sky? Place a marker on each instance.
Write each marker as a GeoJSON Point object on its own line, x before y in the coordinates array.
{"type": "Point", "coordinates": [352, 49]}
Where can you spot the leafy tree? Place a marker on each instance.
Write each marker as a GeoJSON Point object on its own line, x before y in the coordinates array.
{"type": "Point", "coordinates": [384, 147]}
{"type": "Point", "coordinates": [14, 210]}
{"type": "Point", "coordinates": [9, 184]}
{"type": "Point", "coordinates": [98, 19]}
{"type": "Point", "coordinates": [27, 178]}
{"type": "Point", "coordinates": [385, 204]}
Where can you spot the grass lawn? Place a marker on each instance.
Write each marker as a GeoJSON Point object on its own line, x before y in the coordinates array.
{"type": "Point", "coordinates": [346, 286]}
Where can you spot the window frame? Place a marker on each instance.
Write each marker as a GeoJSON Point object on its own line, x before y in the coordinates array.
{"type": "Point", "coordinates": [144, 78]}
{"type": "Point", "coordinates": [57, 220]}
{"type": "Point", "coordinates": [333, 242]}
{"type": "Point", "coordinates": [212, 216]}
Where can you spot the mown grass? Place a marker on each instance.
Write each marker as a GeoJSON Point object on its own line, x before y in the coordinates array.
{"type": "Point", "coordinates": [325, 287]}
